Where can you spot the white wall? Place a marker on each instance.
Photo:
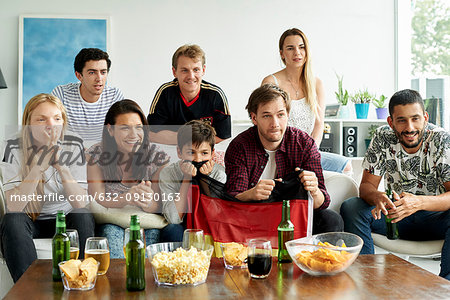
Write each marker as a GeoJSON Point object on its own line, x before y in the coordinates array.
{"type": "Point", "coordinates": [352, 37]}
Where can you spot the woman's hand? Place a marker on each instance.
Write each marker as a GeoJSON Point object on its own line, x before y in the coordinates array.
{"type": "Point", "coordinates": [48, 154]}
{"type": "Point", "coordinates": [142, 195]}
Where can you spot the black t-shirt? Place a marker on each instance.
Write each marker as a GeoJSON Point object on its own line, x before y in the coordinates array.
{"type": "Point", "coordinates": [170, 108]}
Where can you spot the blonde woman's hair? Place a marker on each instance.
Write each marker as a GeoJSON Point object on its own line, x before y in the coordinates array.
{"type": "Point", "coordinates": [307, 77]}
{"type": "Point", "coordinates": [26, 144]}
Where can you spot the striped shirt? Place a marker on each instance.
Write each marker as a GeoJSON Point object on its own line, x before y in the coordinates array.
{"type": "Point", "coordinates": [169, 107]}
{"type": "Point", "coordinates": [86, 118]}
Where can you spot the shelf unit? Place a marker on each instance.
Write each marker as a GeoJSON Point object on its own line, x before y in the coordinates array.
{"type": "Point", "coordinates": [362, 125]}
{"type": "Point", "coordinates": [337, 129]}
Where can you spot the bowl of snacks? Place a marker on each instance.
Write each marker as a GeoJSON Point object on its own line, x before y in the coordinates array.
{"type": "Point", "coordinates": [79, 275]}
{"type": "Point", "coordinates": [326, 253]}
{"type": "Point", "coordinates": [173, 265]}
{"type": "Point", "coordinates": [234, 255]}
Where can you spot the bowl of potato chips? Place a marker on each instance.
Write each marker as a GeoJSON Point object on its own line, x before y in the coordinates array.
{"type": "Point", "coordinates": [173, 265]}
{"type": "Point", "coordinates": [234, 255]}
{"type": "Point", "coordinates": [79, 275]}
{"type": "Point", "coordinates": [326, 253]}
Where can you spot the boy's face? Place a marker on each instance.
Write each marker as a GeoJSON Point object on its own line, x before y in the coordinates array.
{"type": "Point", "coordinates": [197, 153]}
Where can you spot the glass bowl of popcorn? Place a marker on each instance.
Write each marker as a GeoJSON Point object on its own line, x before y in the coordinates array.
{"type": "Point", "coordinates": [79, 275]}
{"type": "Point", "coordinates": [173, 265]}
{"type": "Point", "coordinates": [234, 255]}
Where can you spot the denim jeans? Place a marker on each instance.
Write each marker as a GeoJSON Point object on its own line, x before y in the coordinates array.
{"type": "Point", "coordinates": [327, 220]}
{"type": "Point", "coordinates": [17, 232]}
{"type": "Point", "coordinates": [333, 162]}
{"type": "Point", "coordinates": [420, 226]}
{"type": "Point", "coordinates": [115, 235]}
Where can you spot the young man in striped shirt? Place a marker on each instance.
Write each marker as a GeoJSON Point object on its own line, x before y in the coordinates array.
{"type": "Point", "coordinates": [88, 101]}
{"type": "Point", "coordinates": [187, 98]}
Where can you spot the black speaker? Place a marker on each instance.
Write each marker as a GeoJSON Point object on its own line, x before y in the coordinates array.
{"type": "Point", "coordinates": [327, 143]}
{"type": "Point", "coordinates": [350, 141]}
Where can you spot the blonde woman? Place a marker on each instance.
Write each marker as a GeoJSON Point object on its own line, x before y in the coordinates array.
{"type": "Point", "coordinates": [43, 172]}
{"type": "Point", "coordinates": [306, 93]}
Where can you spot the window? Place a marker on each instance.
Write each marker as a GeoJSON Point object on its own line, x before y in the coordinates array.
{"type": "Point", "coordinates": [422, 54]}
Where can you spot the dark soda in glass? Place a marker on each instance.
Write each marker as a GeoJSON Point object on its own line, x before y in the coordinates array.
{"type": "Point", "coordinates": [259, 265]}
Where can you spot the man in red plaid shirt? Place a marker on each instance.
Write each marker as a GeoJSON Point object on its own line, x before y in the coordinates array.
{"type": "Point", "coordinates": [270, 150]}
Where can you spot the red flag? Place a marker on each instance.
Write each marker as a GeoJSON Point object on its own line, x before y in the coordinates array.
{"type": "Point", "coordinates": [229, 221]}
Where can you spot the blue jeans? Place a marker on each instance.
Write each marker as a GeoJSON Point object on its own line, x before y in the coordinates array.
{"type": "Point", "coordinates": [333, 162]}
{"type": "Point", "coordinates": [115, 234]}
{"type": "Point", "coordinates": [420, 226]}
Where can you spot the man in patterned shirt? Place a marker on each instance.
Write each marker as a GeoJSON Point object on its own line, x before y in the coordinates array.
{"type": "Point", "coordinates": [88, 101]}
{"type": "Point", "coordinates": [270, 150]}
{"type": "Point", "coordinates": [414, 158]}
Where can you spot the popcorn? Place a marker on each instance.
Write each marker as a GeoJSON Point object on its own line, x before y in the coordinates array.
{"type": "Point", "coordinates": [182, 266]}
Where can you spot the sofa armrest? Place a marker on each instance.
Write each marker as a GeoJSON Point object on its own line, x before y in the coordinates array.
{"type": "Point", "coordinates": [340, 187]}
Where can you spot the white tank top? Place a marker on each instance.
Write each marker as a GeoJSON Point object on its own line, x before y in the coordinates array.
{"type": "Point", "coordinates": [301, 115]}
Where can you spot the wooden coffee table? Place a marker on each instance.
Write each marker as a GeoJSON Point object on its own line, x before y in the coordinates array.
{"type": "Point", "coordinates": [370, 276]}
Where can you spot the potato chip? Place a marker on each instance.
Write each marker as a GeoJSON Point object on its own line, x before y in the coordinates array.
{"type": "Point", "coordinates": [80, 274]}
{"type": "Point", "coordinates": [71, 269]}
{"type": "Point", "coordinates": [234, 253]}
{"type": "Point", "coordinates": [88, 270]}
{"type": "Point", "coordinates": [324, 259]}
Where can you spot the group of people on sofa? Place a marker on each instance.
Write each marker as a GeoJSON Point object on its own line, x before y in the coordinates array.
{"type": "Point", "coordinates": [86, 142]}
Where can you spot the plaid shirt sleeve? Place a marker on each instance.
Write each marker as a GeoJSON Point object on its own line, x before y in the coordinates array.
{"type": "Point", "coordinates": [312, 163]}
{"type": "Point", "coordinates": [236, 168]}
{"type": "Point", "coordinates": [303, 152]}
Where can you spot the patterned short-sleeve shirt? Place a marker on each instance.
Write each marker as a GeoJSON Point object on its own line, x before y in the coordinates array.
{"type": "Point", "coordinates": [420, 173]}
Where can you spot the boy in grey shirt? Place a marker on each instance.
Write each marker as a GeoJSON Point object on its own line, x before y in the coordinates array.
{"type": "Point", "coordinates": [195, 148]}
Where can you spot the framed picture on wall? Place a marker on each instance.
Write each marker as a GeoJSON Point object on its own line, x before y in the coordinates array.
{"type": "Point", "coordinates": [47, 49]}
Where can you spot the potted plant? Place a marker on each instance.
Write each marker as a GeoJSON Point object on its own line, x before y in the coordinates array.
{"type": "Point", "coordinates": [370, 133]}
{"type": "Point", "coordinates": [381, 109]}
{"type": "Point", "coordinates": [362, 100]}
{"type": "Point", "coordinates": [342, 98]}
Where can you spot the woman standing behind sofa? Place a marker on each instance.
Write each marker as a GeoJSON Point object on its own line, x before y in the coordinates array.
{"type": "Point", "coordinates": [123, 170]}
{"type": "Point", "coordinates": [44, 171]}
{"type": "Point", "coordinates": [306, 92]}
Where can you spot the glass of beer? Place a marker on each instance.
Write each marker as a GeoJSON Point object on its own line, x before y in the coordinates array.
{"type": "Point", "coordinates": [259, 258]}
{"type": "Point", "coordinates": [74, 243]}
{"type": "Point", "coordinates": [126, 239]}
{"type": "Point", "coordinates": [193, 238]}
{"type": "Point", "coordinates": [97, 247]}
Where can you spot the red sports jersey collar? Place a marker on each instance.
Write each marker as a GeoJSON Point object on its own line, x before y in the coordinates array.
{"type": "Point", "coordinates": [191, 102]}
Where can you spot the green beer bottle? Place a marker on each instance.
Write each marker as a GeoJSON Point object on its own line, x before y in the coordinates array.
{"type": "Point", "coordinates": [391, 228]}
{"type": "Point", "coordinates": [60, 245]}
{"type": "Point", "coordinates": [135, 257]}
{"type": "Point", "coordinates": [285, 233]}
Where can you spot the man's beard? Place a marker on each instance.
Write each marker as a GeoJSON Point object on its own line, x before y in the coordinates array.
{"type": "Point", "coordinates": [420, 134]}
